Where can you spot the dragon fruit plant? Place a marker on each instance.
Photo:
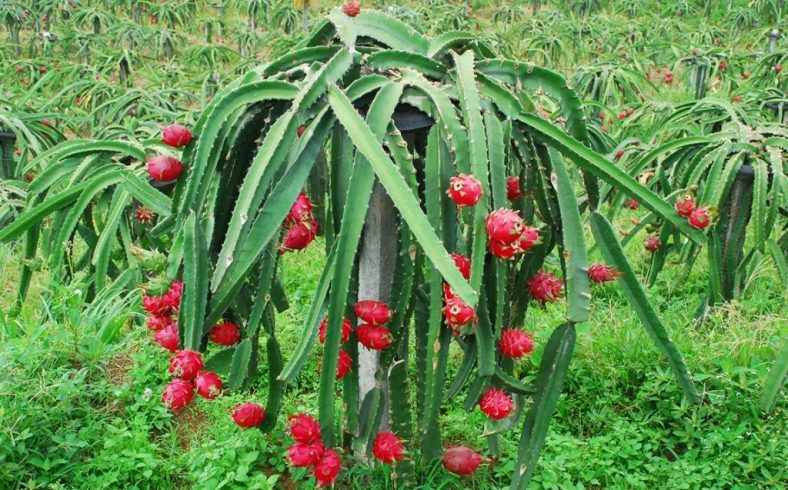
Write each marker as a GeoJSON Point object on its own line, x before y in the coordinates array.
{"type": "Point", "coordinates": [490, 223]}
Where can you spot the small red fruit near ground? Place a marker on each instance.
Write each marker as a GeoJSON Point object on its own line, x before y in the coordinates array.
{"type": "Point", "coordinates": [225, 333]}
{"type": "Point", "coordinates": [387, 447]}
{"type": "Point", "coordinates": [465, 190]}
{"type": "Point", "coordinates": [248, 415]}
{"type": "Point", "coordinates": [373, 312]}
{"type": "Point", "coordinates": [496, 404]}
{"type": "Point", "coordinates": [304, 428]}
{"type": "Point", "coordinates": [176, 135]}
{"type": "Point", "coordinates": [736, 98]}
{"type": "Point", "coordinates": [652, 243]}
{"type": "Point", "coordinates": [515, 343]}
{"type": "Point", "coordinates": [777, 68]}
{"type": "Point", "coordinates": [177, 394]}
{"type": "Point", "coordinates": [461, 460]}
{"type": "Point", "coordinates": [185, 364]}
{"type": "Point", "coordinates": [208, 384]}
{"type": "Point", "coordinates": [327, 468]}
{"type": "Point", "coordinates": [723, 65]}
{"type": "Point", "coordinates": [632, 204]}
{"type": "Point", "coordinates": [745, 74]}
{"type": "Point", "coordinates": [168, 338]}
{"type": "Point", "coordinates": [600, 273]}
{"type": "Point", "coordinates": [619, 154]}
{"type": "Point", "coordinates": [300, 131]}
{"type": "Point", "coordinates": [545, 287]}
{"type": "Point", "coordinates": [164, 168]}
{"type": "Point", "coordinates": [305, 455]}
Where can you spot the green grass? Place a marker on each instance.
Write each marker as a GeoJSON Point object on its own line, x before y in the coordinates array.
{"type": "Point", "coordinates": [79, 412]}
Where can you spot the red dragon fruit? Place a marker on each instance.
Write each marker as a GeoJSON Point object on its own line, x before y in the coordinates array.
{"type": "Point", "coordinates": [164, 168]}
{"type": "Point", "coordinates": [600, 273]}
{"type": "Point", "coordinates": [300, 235]}
{"type": "Point", "coordinates": [301, 210]}
{"type": "Point", "coordinates": [373, 337]}
{"type": "Point", "coordinates": [461, 460]}
{"type": "Point", "coordinates": [185, 364]}
{"type": "Point", "coordinates": [458, 314]}
{"type": "Point", "coordinates": [463, 264]}
{"type": "Point", "coordinates": [387, 447]}
{"type": "Point", "coordinates": [327, 468]}
{"type": "Point", "coordinates": [304, 428]}
{"type": "Point", "coordinates": [515, 343]}
{"type": "Point", "coordinates": [305, 455]}
{"type": "Point", "coordinates": [504, 251]}
{"type": "Point", "coordinates": [496, 404]}
{"type": "Point", "coordinates": [700, 217]}
{"type": "Point", "coordinates": [685, 206]}
{"type": "Point", "coordinates": [448, 292]}
{"type": "Point", "coordinates": [208, 384]}
{"type": "Point", "coordinates": [300, 131]}
{"type": "Point", "coordinates": [157, 323]}
{"type": "Point", "coordinates": [344, 364]}
{"type": "Point", "coordinates": [176, 135]}
{"type": "Point", "coordinates": [351, 9]}
{"type": "Point", "coordinates": [504, 225]}
{"type": "Point", "coordinates": [465, 190]}
{"type": "Point", "coordinates": [545, 287]}
{"type": "Point", "coordinates": [225, 333]}
{"type": "Point", "coordinates": [248, 415]}
{"type": "Point", "coordinates": [347, 329]}
{"type": "Point", "coordinates": [528, 238]}
{"type": "Point", "coordinates": [652, 243]}
{"type": "Point", "coordinates": [632, 204]}
{"type": "Point", "coordinates": [373, 312]}
{"type": "Point", "coordinates": [168, 338]}
{"type": "Point", "coordinates": [177, 394]}
{"type": "Point", "coordinates": [513, 191]}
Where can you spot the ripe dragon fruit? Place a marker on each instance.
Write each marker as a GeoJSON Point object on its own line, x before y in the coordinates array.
{"type": "Point", "coordinates": [545, 287]}
{"type": "Point", "coordinates": [373, 312]}
{"type": "Point", "coordinates": [185, 364]}
{"type": "Point", "coordinates": [387, 447]}
{"type": "Point", "coordinates": [164, 168]}
{"type": "Point", "coordinates": [458, 314]}
{"type": "Point", "coordinates": [632, 204]}
{"type": "Point", "coordinates": [504, 225]}
{"type": "Point", "coordinates": [305, 455]}
{"type": "Point", "coordinates": [327, 468]}
{"type": "Point", "coordinates": [168, 338]}
{"type": "Point", "coordinates": [347, 329]}
{"type": "Point", "coordinates": [156, 323]}
{"type": "Point", "coordinates": [208, 384]}
{"type": "Point", "coordinates": [505, 251]}
{"type": "Point", "coordinates": [304, 428]}
{"type": "Point", "coordinates": [496, 404]}
{"type": "Point", "coordinates": [301, 210]}
{"type": "Point", "coordinates": [177, 394]}
{"type": "Point", "coordinates": [461, 460]}
{"type": "Point", "coordinates": [225, 333]}
{"type": "Point", "coordinates": [528, 238]}
{"type": "Point", "coordinates": [351, 9]}
{"type": "Point", "coordinates": [513, 191]}
{"type": "Point", "coordinates": [700, 217]}
{"type": "Point", "coordinates": [344, 364]}
{"type": "Point", "coordinates": [652, 243]}
{"type": "Point", "coordinates": [515, 343]}
{"type": "Point", "coordinates": [465, 190]}
{"type": "Point", "coordinates": [685, 206]}
{"type": "Point", "coordinates": [300, 131]}
{"type": "Point", "coordinates": [248, 415]}
{"type": "Point", "coordinates": [600, 273]}
{"type": "Point", "coordinates": [463, 264]}
{"type": "Point", "coordinates": [373, 337]}
{"type": "Point", "coordinates": [176, 135]}
{"type": "Point", "coordinates": [299, 235]}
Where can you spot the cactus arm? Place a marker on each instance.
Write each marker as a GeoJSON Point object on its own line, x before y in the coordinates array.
{"type": "Point", "coordinates": [605, 237]}
{"type": "Point", "coordinates": [775, 380]}
{"type": "Point", "coordinates": [398, 60]}
{"type": "Point", "coordinates": [101, 252]}
{"type": "Point", "coordinates": [240, 364]}
{"type": "Point", "coordinates": [195, 278]}
{"type": "Point", "coordinates": [578, 290]}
